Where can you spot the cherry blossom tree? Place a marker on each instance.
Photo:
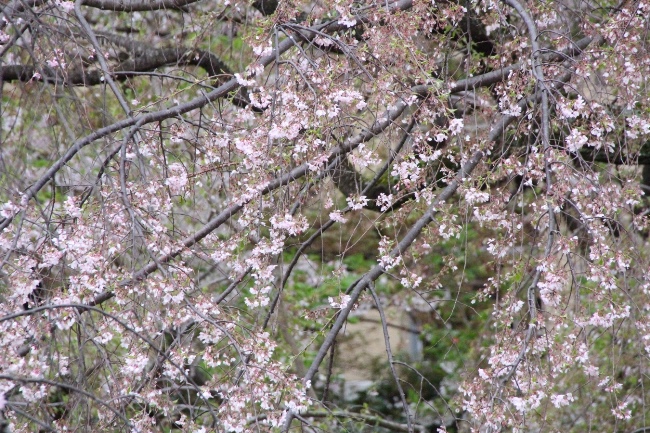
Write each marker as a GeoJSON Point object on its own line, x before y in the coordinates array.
{"type": "Point", "coordinates": [182, 181]}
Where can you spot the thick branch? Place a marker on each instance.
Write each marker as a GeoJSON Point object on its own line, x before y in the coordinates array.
{"type": "Point", "coordinates": [498, 75]}
{"type": "Point", "coordinates": [370, 419]}
{"type": "Point", "coordinates": [266, 7]}
{"type": "Point", "coordinates": [349, 181]}
{"type": "Point", "coordinates": [145, 61]}
{"type": "Point", "coordinates": [137, 5]}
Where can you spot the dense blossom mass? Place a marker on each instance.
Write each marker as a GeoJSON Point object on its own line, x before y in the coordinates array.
{"type": "Point", "coordinates": [199, 199]}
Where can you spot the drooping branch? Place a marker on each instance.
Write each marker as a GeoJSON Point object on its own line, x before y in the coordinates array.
{"type": "Point", "coordinates": [413, 233]}
{"type": "Point", "coordinates": [63, 385]}
{"type": "Point", "coordinates": [15, 7]}
{"type": "Point", "coordinates": [140, 120]}
{"type": "Point", "coordinates": [377, 128]}
{"type": "Point", "coordinates": [616, 156]}
{"type": "Point", "coordinates": [202, 160]}
{"type": "Point", "coordinates": [349, 181]}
